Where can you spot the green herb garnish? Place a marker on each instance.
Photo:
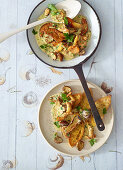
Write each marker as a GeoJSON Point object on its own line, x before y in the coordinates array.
{"type": "Point", "coordinates": [68, 134]}
{"type": "Point", "coordinates": [65, 20]}
{"type": "Point", "coordinates": [64, 97]}
{"type": "Point", "coordinates": [44, 46]}
{"type": "Point", "coordinates": [57, 124]}
{"type": "Point", "coordinates": [86, 110]}
{"type": "Point", "coordinates": [104, 111]}
{"type": "Point", "coordinates": [61, 108]}
{"type": "Point", "coordinates": [68, 37]}
{"type": "Point", "coordinates": [92, 142]}
{"type": "Point", "coordinates": [78, 108]}
{"type": "Point", "coordinates": [34, 32]}
{"type": "Point", "coordinates": [52, 102]}
{"type": "Point", "coordinates": [54, 10]}
{"type": "Point", "coordinates": [55, 134]}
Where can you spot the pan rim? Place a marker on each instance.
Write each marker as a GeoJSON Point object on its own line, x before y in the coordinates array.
{"type": "Point", "coordinates": [82, 62]}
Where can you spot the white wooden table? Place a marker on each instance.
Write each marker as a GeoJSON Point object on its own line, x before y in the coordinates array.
{"type": "Point", "coordinates": [33, 152]}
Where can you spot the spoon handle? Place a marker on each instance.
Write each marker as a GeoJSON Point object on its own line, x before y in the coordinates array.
{"type": "Point", "coordinates": [6, 35]}
{"type": "Point", "coordinates": [98, 120]}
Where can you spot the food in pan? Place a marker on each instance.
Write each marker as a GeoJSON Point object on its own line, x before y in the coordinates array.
{"type": "Point", "coordinates": [63, 38]}
{"type": "Point", "coordinates": [72, 117]}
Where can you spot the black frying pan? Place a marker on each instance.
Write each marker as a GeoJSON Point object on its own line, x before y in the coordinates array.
{"type": "Point", "coordinates": [78, 62]}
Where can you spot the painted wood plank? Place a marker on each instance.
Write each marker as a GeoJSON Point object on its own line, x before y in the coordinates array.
{"type": "Point", "coordinates": [8, 100]}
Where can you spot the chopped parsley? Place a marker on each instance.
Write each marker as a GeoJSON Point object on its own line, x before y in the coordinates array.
{"type": "Point", "coordinates": [52, 102]}
{"type": "Point", "coordinates": [68, 134]}
{"type": "Point", "coordinates": [68, 37]}
{"type": "Point", "coordinates": [78, 108]}
{"type": "Point", "coordinates": [55, 134]}
{"type": "Point", "coordinates": [64, 97]}
{"type": "Point", "coordinates": [57, 124]}
{"type": "Point", "coordinates": [92, 142]}
{"type": "Point", "coordinates": [34, 32]}
{"type": "Point", "coordinates": [44, 46]}
{"type": "Point", "coordinates": [65, 20]}
{"type": "Point", "coordinates": [61, 108]}
{"type": "Point", "coordinates": [54, 10]}
{"type": "Point", "coordinates": [104, 111]}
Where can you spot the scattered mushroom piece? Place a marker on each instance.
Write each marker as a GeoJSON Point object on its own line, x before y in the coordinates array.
{"type": "Point", "coordinates": [47, 12]}
{"type": "Point", "coordinates": [58, 139]}
{"type": "Point", "coordinates": [67, 89]}
{"type": "Point", "coordinates": [80, 145]}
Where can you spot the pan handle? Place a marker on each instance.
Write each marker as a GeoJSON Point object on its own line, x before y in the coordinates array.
{"type": "Point", "coordinates": [98, 120]}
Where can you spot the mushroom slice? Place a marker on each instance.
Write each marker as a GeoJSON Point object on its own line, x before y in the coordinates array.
{"type": "Point", "coordinates": [69, 107]}
{"type": "Point", "coordinates": [67, 89]}
{"type": "Point", "coordinates": [71, 126]}
{"type": "Point", "coordinates": [58, 139]}
{"type": "Point", "coordinates": [74, 49]}
{"type": "Point", "coordinates": [80, 145]}
{"type": "Point", "coordinates": [53, 32]}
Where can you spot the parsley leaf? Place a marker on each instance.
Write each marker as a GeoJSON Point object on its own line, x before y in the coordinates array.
{"type": "Point", "coordinates": [104, 111]}
{"type": "Point", "coordinates": [64, 97]}
{"type": "Point", "coordinates": [78, 108]}
{"type": "Point", "coordinates": [54, 10]}
{"type": "Point", "coordinates": [68, 37]}
{"type": "Point", "coordinates": [92, 142]}
{"type": "Point", "coordinates": [44, 46]}
{"type": "Point", "coordinates": [34, 32]}
{"type": "Point", "coordinates": [57, 124]}
{"type": "Point", "coordinates": [52, 102]}
{"type": "Point", "coordinates": [65, 20]}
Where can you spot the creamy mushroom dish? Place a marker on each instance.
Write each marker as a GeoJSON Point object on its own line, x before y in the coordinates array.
{"type": "Point", "coordinates": [63, 38]}
{"type": "Point", "coordinates": [72, 117]}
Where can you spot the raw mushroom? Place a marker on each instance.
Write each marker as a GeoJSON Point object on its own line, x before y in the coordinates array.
{"type": "Point", "coordinates": [30, 99]}
{"type": "Point", "coordinates": [4, 55]}
{"type": "Point", "coordinates": [3, 77]}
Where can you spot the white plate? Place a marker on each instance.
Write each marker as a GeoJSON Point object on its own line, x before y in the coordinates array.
{"type": "Point", "coordinates": [47, 128]}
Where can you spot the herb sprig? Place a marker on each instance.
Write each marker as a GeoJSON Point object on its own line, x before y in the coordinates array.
{"type": "Point", "coordinates": [68, 37]}
{"type": "Point", "coordinates": [57, 124]}
{"type": "Point", "coordinates": [92, 142]}
{"type": "Point", "coordinates": [64, 97]}
{"type": "Point", "coordinates": [34, 32]}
